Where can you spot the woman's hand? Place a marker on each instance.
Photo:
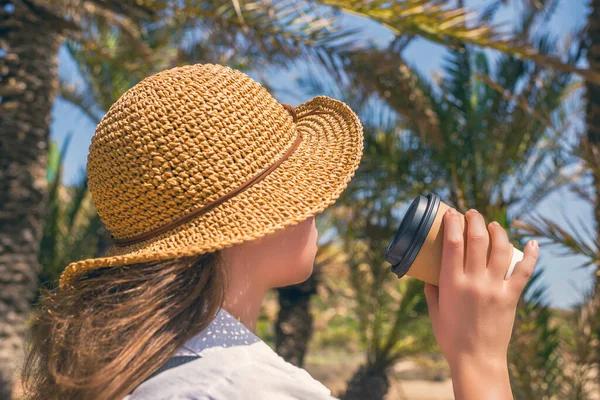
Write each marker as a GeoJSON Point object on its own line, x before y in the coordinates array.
{"type": "Point", "coordinates": [473, 310]}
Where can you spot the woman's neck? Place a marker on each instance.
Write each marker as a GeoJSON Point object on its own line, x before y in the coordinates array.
{"type": "Point", "coordinates": [243, 300]}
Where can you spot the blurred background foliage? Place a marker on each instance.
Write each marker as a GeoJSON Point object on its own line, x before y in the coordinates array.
{"type": "Point", "coordinates": [493, 131]}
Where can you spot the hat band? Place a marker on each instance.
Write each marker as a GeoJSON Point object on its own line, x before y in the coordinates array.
{"type": "Point", "coordinates": [196, 213]}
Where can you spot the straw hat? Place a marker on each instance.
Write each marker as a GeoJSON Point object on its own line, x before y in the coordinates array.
{"type": "Point", "coordinates": [201, 157]}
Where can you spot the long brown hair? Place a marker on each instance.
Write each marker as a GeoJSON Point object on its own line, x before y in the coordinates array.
{"type": "Point", "coordinates": [107, 332]}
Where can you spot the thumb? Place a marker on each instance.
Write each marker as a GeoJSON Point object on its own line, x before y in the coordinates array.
{"type": "Point", "coordinates": [432, 294]}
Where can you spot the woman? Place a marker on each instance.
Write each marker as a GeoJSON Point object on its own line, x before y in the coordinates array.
{"type": "Point", "coordinates": [209, 188]}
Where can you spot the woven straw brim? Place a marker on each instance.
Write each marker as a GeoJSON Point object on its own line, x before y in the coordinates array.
{"type": "Point", "coordinates": [310, 180]}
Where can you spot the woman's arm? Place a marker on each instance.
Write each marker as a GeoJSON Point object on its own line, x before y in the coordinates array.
{"type": "Point", "coordinates": [481, 379]}
{"type": "Point", "coordinates": [473, 310]}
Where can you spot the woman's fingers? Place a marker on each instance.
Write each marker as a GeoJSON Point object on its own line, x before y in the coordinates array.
{"type": "Point", "coordinates": [524, 268]}
{"type": "Point", "coordinates": [432, 296]}
{"type": "Point", "coordinates": [501, 252]}
{"type": "Point", "coordinates": [478, 241]}
{"type": "Point", "coordinates": [454, 247]}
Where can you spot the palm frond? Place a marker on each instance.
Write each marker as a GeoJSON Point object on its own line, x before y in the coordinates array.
{"type": "Point", "coordinates": [457, 86]}
{"type": "Point", "coordinates": [576, 239]}
{"type": "Point", "coordinates": [82, 99]}
{"type": "Point", "coordinates": [536, 363]}
{"type": "Point", "coordinates": [584, 189]}
{"type": "Point", "coordinates": [544, 7]}
{"type": "Point", "coordinates": [399, 86]}
{"type": "Point", "coordinates": [76, 203]}
{"type": "Point", "coordinates": [589, 154]}
{"type": "Point", "coordinates": [264, 31]}
{"type": "Point", "coordinates": [78, 19]}
{"type": "Point", "coordinates": [104, 79]}
{"type": "Point", "coordinates": [51, 236]}
{"type": "Point", "coordinates": [391, 312]}
{"type": "Point", "coordinates": [505, 134]}
{"type": "Point", "coordinates": [71, 223]}
{"type": "Point", "coordinates": [413, 306]}
{"type": "Point", "coordinates": [451, 26]}
{"type": "Point", "coordinates": [581, 347]}
{"type": "Point", "coordinates": [126, 22]}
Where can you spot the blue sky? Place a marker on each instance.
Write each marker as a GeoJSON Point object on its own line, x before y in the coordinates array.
{"type": "Point", "coordinates": [566, 285]}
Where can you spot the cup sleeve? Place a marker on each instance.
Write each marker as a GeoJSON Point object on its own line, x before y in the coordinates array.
{"type": "Point", "coordinates": [516, 257]}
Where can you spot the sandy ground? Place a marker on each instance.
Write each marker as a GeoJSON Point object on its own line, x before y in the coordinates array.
{"type": "Point", "coordinates": [407, 381]}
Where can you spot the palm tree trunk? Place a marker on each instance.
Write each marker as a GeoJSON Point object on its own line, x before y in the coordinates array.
{"type": "Point", "coordinates": [28, 69]}
{"type": "Point", "coordinates": [593, 120]}
{"type": "Point", "coordinates": [593, 96]}
{"type": "Point", "coordinates": [294, 325]}
{"type": "Point", "coordinates": [368, 382]}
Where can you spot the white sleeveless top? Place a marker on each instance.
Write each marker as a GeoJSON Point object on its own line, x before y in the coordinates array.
{"type": "Point", "coordinates": [234, 364]}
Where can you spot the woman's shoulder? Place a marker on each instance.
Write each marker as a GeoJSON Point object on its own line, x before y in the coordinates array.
{"type": "Point", "coordinates": [242, 372]}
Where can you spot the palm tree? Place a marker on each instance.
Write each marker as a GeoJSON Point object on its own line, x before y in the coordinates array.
{"type": "Point", "coordinates": [294, 324]}
{"type": "Point", "coordinates": [591, 145]}
{"type": "Point", "coordinates": [575, 238]}
{"type": "Point", "coordinates": [453, 25]}
{"type": "Point", "coordinates": [506, 172]}
{"type": "Point", "coordinates": [106, 80]}
{"type": "Point", "coordinates": [495, 141]}
{"type": "Point", "coordinates": [71, 223]}
{"type": "Point", "coordinates": [471, 116]}
{"type": "Point", "coordinates": [490, 133]}
{"type": "Point", "coordinates": [581, 348]}
{"type": "Point", "coordinates": [32, 33]}
{"type": "Point", "coordinates": [392, 313]}
{"type": "Point", "coordinates": [536, 359]}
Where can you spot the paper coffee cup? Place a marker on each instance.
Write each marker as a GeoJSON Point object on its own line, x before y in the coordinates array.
{"type": "Point", "coordinates": [416, 248]}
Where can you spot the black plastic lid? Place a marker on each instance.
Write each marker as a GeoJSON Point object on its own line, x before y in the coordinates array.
{"type": "Point", "coordinates": [411, 233]}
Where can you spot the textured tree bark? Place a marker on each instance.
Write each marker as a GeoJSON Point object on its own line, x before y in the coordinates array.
{"type": "Point", "coordinates": [294, 325]}
{"type": "Point", "coordinates": [367, 383]}
{"type": "Point", "coordinates": [593, 118]}
{"type": "Point", "coordinates": [28, 71]}
{"type": "Point", "coordinates": [593, 96]}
